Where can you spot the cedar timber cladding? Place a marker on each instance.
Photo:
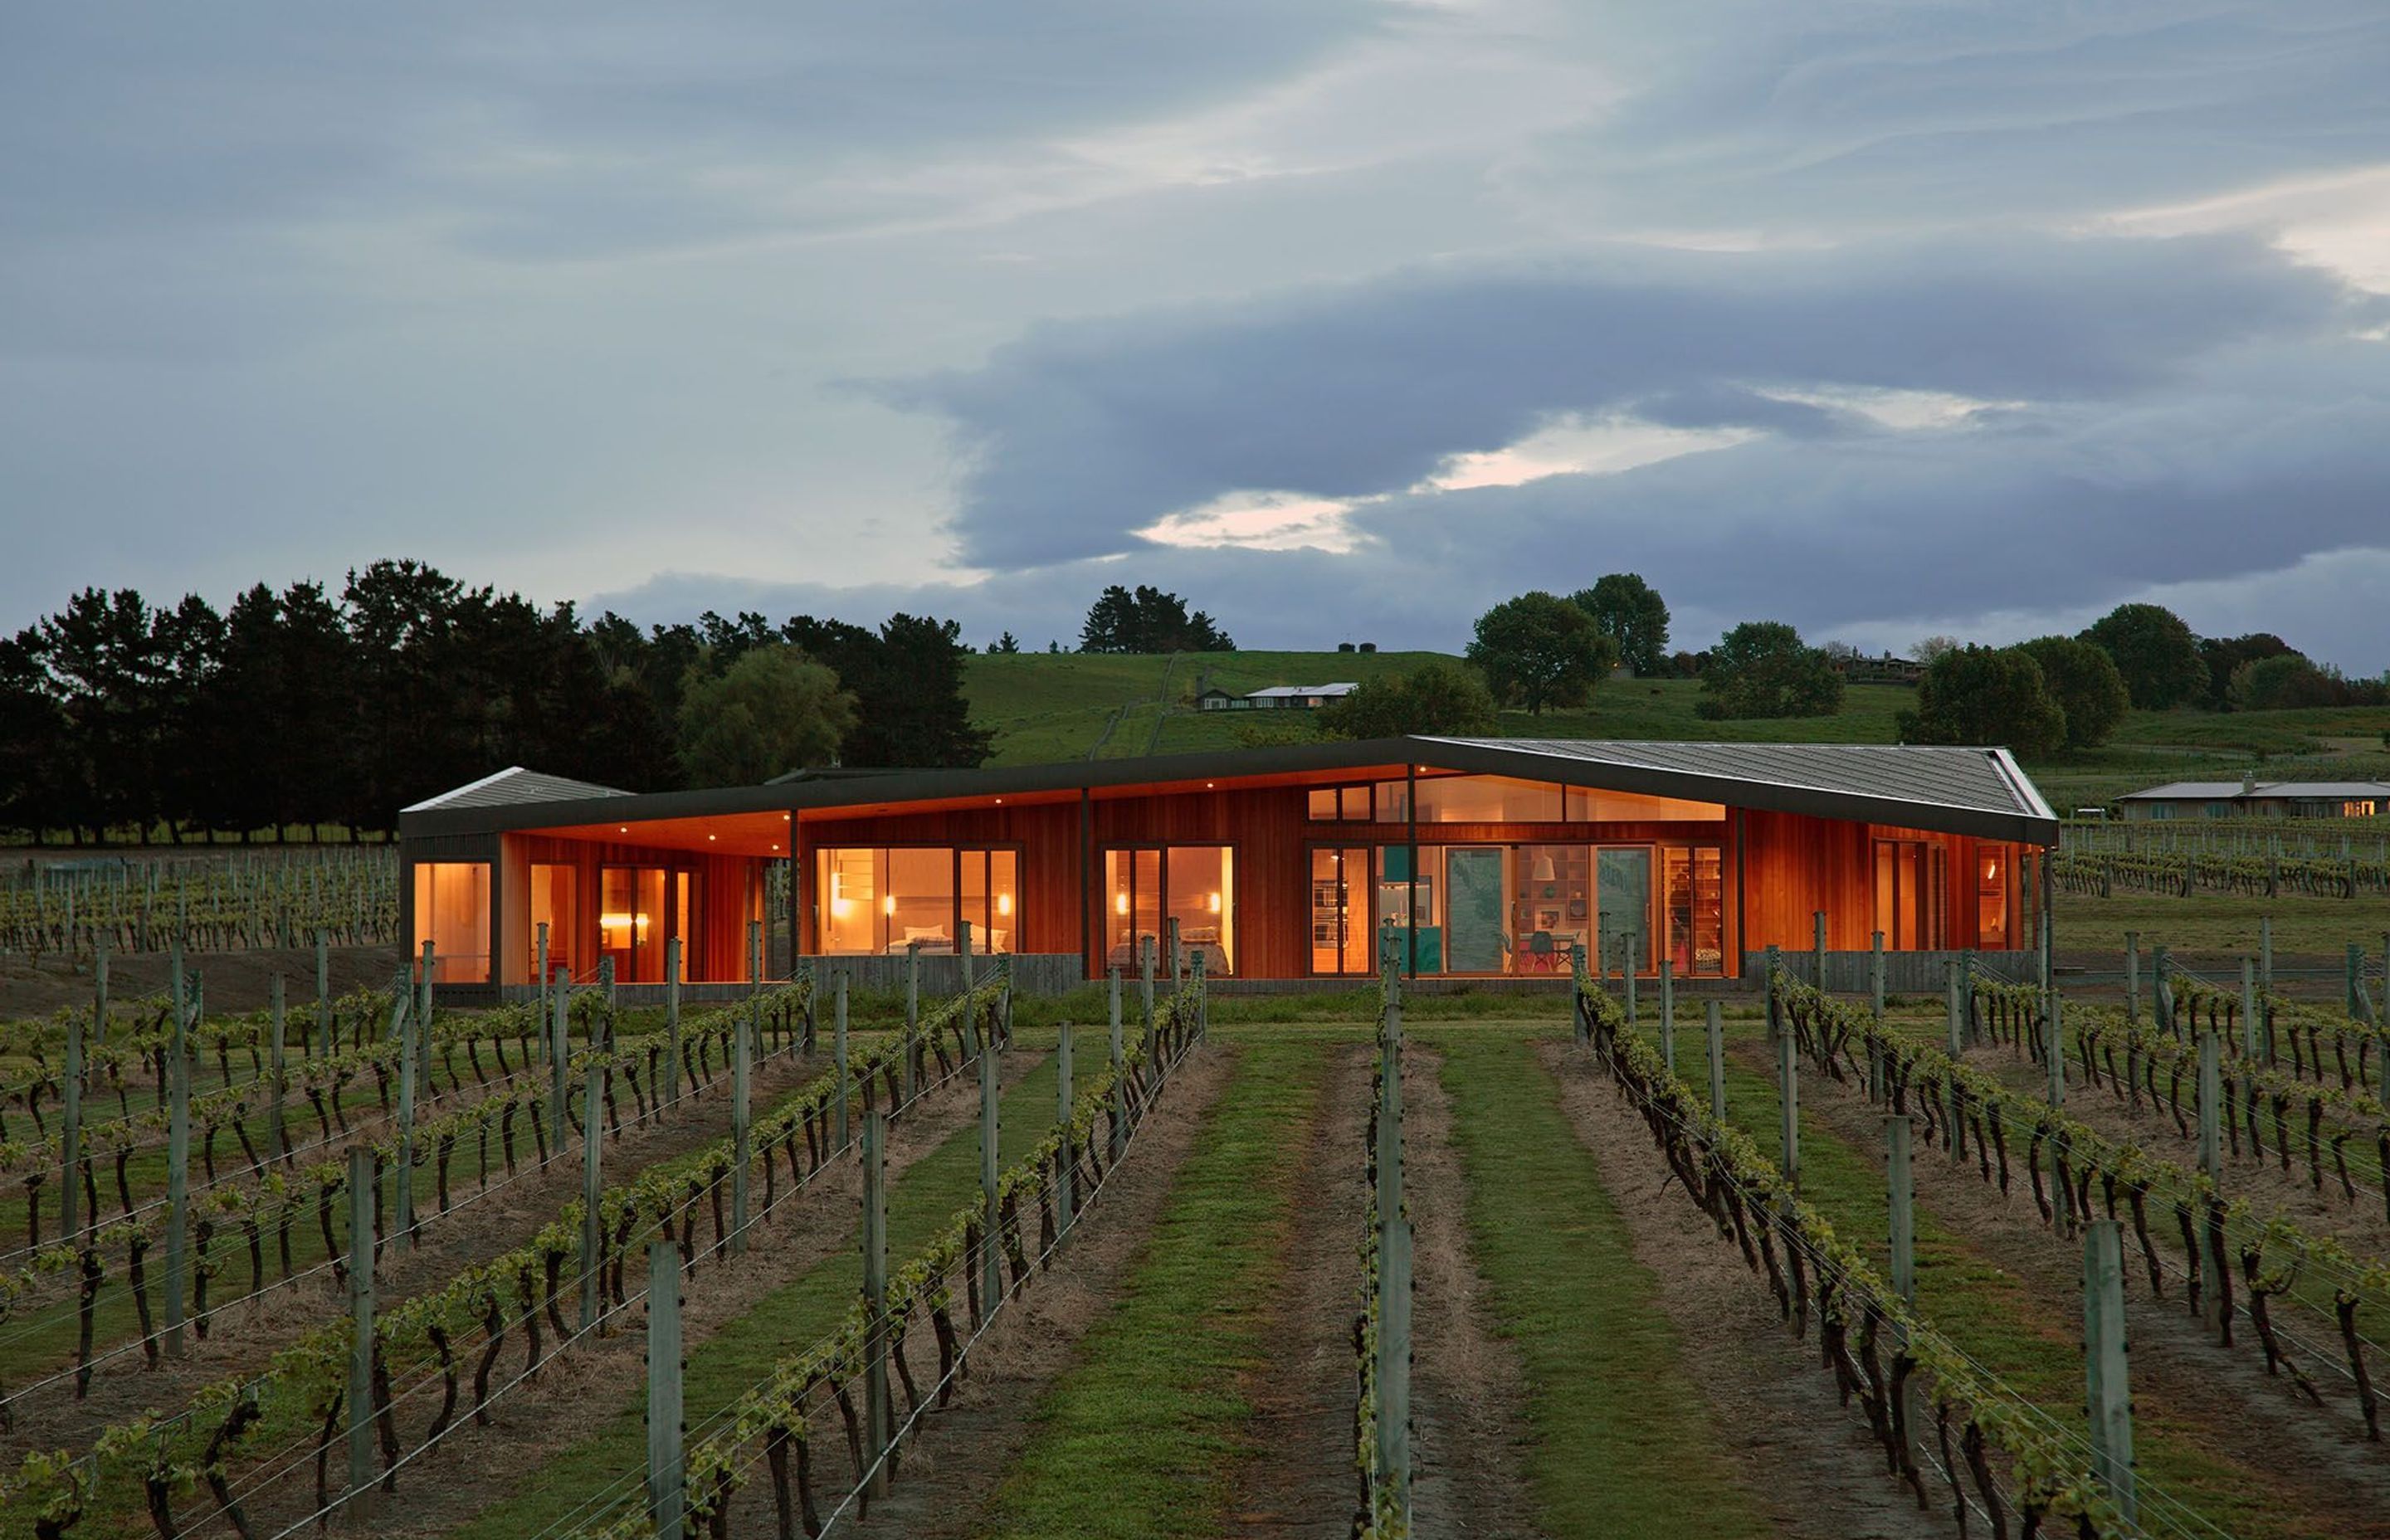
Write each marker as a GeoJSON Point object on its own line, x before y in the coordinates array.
{"type": "Point", "coordinates": [1798, 837]}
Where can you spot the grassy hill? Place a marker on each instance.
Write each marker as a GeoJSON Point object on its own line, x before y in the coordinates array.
{"type": "Point", "coordinates": [1047, 706]}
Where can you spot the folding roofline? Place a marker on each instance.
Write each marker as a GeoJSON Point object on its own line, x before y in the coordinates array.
{"type": "Point", "coordinates": [2037, 827]}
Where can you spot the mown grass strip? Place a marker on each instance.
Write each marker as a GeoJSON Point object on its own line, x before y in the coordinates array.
{"type": "Point", "coordinates": [1141, 1441]}
{"type": "Point", "coordinates": [2032, 1342]}
{"type": "Point", "coordinates": [798, 1313]}
{"type": "Point", "coordinates": [1623, 1442]}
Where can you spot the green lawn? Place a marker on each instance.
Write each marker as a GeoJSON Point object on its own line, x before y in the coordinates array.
{"type": "Point", "coordinates": [1610, 1457]}
{"type": "Point", "coordinates": [1141, 1439]}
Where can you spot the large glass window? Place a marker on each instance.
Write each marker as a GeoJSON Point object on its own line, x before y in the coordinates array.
{"type": "Point", "coordinates": [1696, 903]}
{"type": "Point", "coordinates": [1338, 804]}
{"type": "Point", "coordinates": [1340, 910]}
{"type": "Point", "coordinates": [1195, 885]}
{"type": "Point", "coordinates": [1502, 800]}
{"type": "Point", "coordinates": [1622, 887]}
{"type": "Point", "coordinates": [452, 912]}
{"type": "Point", "coordinates": [633, 922]}
{"type": "Point", "coordinates": [555, 902]}
{"type": "Point", "coordinates": [1992, 876]}
{"type": "Point", "coordinates": [885, 899]}
{"type": "Point", "coordinates": [1552, 903]}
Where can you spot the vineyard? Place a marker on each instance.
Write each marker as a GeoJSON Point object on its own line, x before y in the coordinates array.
{"type": "Point", "coordinates": [1148, 1260]}
{"type": "Point", "coordinates": [346, 896]}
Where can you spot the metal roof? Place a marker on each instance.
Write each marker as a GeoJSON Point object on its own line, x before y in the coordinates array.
{"type": "Point", "coordinates": [1343, 687]}
{"type": "Point", "coordinates": [2184, 792]}
{"type": "Point", "coordinates": [515, 787]}
{"type": "Point", "coordinates": [1958, 790]}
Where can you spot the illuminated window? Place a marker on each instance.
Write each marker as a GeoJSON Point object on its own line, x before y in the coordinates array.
{"type": "Point", "coordinates": [553, 902]}
{"type": "Point", "coordinates": [1192, 884]}
{"type": "Point", "coordinates": [1992, 878]}
{"type": "Point", "coordinates": [452, 912]}
{"type": "Point", "coordinates": [885, 899]}
{"type": "Point", "coordinates": [1338, 804]}
{"type": "Point", "coordinates": [1502, 800]}
{"type": "Point", "coordinates": [632, 921]}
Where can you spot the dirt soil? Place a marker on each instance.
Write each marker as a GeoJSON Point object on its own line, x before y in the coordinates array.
{"type": "Point", "coordinates": [1297, 1482]}
{"type": "Point", "coordinates": [1813, 1465]}
{"type": "Point", "coordinates": [2320, 1475]}
{"type": "Point", "coordinates": [961, 1452]}
{"type": "Point", "coordinates": [244, 1336]}
{"type": "Point", "coordinates": [1468, 1389]}
{"type": "Point", "coordinates": [237, 980]}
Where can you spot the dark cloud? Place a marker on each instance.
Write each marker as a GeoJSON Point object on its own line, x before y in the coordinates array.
{"type": "Point", "coordinates": [1083, 432]}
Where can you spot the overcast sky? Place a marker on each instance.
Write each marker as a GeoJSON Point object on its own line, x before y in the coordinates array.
{"type": "Point", "coordinates": [1344, 319]}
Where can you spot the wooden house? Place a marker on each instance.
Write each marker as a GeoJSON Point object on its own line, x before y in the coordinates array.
{"type": "Point", "coordinates": [1471, 857]}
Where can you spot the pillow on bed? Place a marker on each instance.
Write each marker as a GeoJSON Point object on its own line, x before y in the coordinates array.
{"type": "Point", "coordinates": [925, 933]}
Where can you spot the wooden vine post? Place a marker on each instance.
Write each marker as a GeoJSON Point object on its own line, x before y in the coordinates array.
{"type": "Point", "coordinates": [1202, 1000]}
{"type": "Point", "coordinates": [402, 1191]}
{"type": "Point", "coordinates": [2132, 975]}
{"type": "Point", "coordinates": [1145, 982]}
{"type": "Point", "coordinates": [1626, 974]}
{"type": "Point", "coordinates": [838, 1059]}
{"type": "Point", "coordinates": [1788, 1082]}
{"type": "Point", "coordinates": [539, 965]}
{"type": "Point", "coordinates": [2162, 989]}
{"type": "Point", "coordinates": [1818, 949]}
{"type": "Point", "coordinates": [99, 988]}
{"type": "Point", "coordinates": [991, 1254]}
{"type": "Point", "coordinates": [324, 994]}
{"type": "Point", "coordinates": [1393, 1366]}
{"type": "Point", "coordinates": [743, 1114]}
{"type": "Point", "coordinates": [1063, 1168]}
{"type": "Point", "coordinates": [1900, 1190]}
{"type": "Point", "coordinates": [71, 1136]}
{"type": "Point", "coordinates": [1715, 1026]}
{"type": "Point", "coordinates": [358, 1499]}
{"type": "Point", "coordinates": [667, 1496]}
{"type": "Point", "coordinates": [1170, 926]}
{"type": "Point", "coordinates": [423, 1027]}
{"type": "Point", "coordinates": [1120, 1083]}
{"type": "Point", "coordinates": [963, 951]}
{"type": "Point", "coordinates": [1954, 987]}
{"type": "Point", "coordinates": [2105, 1370]}
{"type": "Point", "coordinates": [1667, 1019]}
{"type": "Point", "coordinates": [1767, 986]}
{"type": "Point", "coordinates": [2054, 1046]}
{"type": "Point", "coordinates": [2252, 1039]}
{"type": "Point", "coordinates": [671, 1021]}
{"type": "Point", "coordinates": [560, 1050]}
{"type": "Point", "coordinates": [179, 1152]}
{"type": "Point", "coordinates": [2211, 1098]}
{"type": "Point", "coordinates": [912, 1018]}
{"type": "Point", "coordinates": [879, 1418]}
{"type": "Point", "coordinates": [2355, 969]}
{"type": "Point", "coordinates": [1583, 1020]}
{"type": "Point", "coordinates": [592, 1221]}
{"type": "Point", "coordinates": [277, 1136]}
{"type": "Point", "coordinates": [1875, 973]}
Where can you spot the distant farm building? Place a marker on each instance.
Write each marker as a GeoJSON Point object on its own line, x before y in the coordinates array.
{"type": "Point", "coordinates": [1276, 698]}
{"type": "Point", "coordinates": [2251, 797]}
{"type": "Point", "coordinates": [1858, 669]}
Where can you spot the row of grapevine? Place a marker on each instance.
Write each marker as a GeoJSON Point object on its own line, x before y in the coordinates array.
{"type": "Point", "coordinates": [2245, 876]}
{"type": "Point", "coordinates": [212, 904]}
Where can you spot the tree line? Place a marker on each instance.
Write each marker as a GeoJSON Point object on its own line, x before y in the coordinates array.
{"type": "Point", "coordinates": [309, 707]}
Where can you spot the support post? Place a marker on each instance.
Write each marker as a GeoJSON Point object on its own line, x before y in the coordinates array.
{"type": "Point", "coordinates": [2211, 1098]}
{"type": "Point", "coordinates": [1955, 1009]}
{"type": "Point", "coordinates": [879, 1418]}
{"type": "Point", "coordinates": [1577, 981]}
{"type": "Point", "coordinates": [2054, 1047]}
{"type": "Point", "coordinates": [2354, 968]}
{"type": "Point", "coordinates": [1170, 927]}
{"type": "Point", "coordinates": [423, 1025]}
{"type": "Point", "coordinates": [1064, 1204]}
{"type": "Point", "coordinates": [2110, 1394]}
{"type": "Point", "coordinates": [1145, 982]}
{"type": "Point", "coordinates": [667, 1500]}
{"type": "Point", "coordinates": [1875, 973]}
{"type": "Point", "coordinates": [1787, 1087]}
{"type": "Point", "coordinates": [1626, 961]}
{"type": "Point", "coordinates": [838, 1056]}
{"type": "Point", "coordinates": [1668, 1017]}
{"type": "Point", "coordinates": [560, 1052]}
{"type": "Point", "coordinates": [2162, 990]}
{"type": "Point", "coordinates": [324, 1045]}
{"type": "Point", "coordinates": [593, 1223]}
{"type": "Point", "coordinates": [1120, 1087]}
{"type": "Point", "coordinates": [402, 1191]}
{"type": "Point", "coordinates": [70, 1126]}
{"type": "Point", "coordinates": [912, 1012]}
{"type": "Point", "coordinates": [2252, 1039]}
{"type": "Point", "coordinates": [672, 1020]}
{"type": "Point", "coordinates": [1767, 990]}
{"type": "Point", "coordinates": [1817, 948]}
{"type": "Point", "coordinates": [991, 1254]}
{"type": "Point", "coordinates": [360, 1406]}
{"type": "Point", "coordinates": [99, 988]}
{"type": "Point", "coordinates": [1900, 1185]}
{"type": "Point", "coordinates": [742, 1116]}
{"type": "Point", "coordinates": [2132, 975]}
{"type": "Point", "coordinates": [2265, 953]}
{"type": "Point", "coordinates": [277, 1134]}
{"type": "Point", "coordinates": [1715, 1027]}
{"type": "Point", "coordinates": [178, 1153]}
{"type": "Point", "coordinates": [539, 965]}
{"type": "Point", "coordinates": [963, 950]}
{"type": "Point", "coordinates": [1393, 1364]}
